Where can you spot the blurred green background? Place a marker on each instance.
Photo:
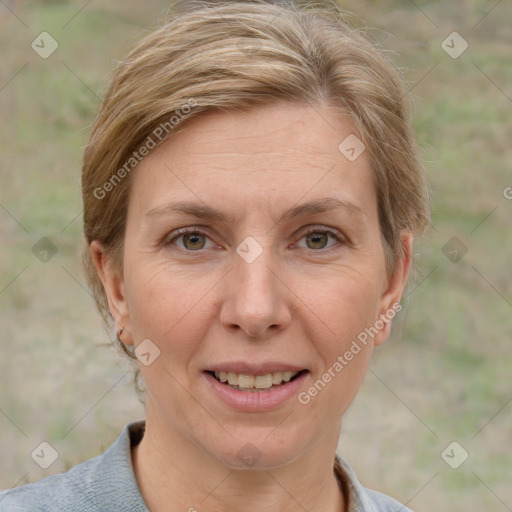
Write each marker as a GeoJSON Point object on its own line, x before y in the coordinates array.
{"type": "Point", "coordinates": [445, 374]}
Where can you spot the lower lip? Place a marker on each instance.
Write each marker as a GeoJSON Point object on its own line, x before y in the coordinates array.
{"type": "Point", "coordinates": [256, 401]}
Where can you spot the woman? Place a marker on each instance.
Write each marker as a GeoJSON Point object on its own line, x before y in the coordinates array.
{"type": "Point", "coordinates": [251, 191]}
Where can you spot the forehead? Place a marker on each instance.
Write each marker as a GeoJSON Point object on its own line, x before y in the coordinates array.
{"type": "Point", "coordinates": [275, 154]}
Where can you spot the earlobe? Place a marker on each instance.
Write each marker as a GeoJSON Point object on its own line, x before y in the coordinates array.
{"type": "Point", "coordinates": [392, 295]}
{"type": "Point", "coordinates": [113, 285]}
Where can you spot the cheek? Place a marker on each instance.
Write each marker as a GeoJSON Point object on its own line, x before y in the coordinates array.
{"type": "Point", "coordinates": [350, 310]}
{"type": "Point", "coordinates": [345, 302]}
{"type": "Point", "coordinates": [167, 304]}
{"type": "Point", "coordinates": [352, 346]}
{"type": "Point", "coordinates": [165, 307]}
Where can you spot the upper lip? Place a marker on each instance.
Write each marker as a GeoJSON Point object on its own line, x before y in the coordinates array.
{"type": "Point", "coordinates": [254, 369]}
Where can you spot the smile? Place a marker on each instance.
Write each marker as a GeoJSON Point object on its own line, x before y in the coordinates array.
{"type": "Point", "coordinates": [254, 389]}
{"type": "Point", "coordinates": [247, 382]}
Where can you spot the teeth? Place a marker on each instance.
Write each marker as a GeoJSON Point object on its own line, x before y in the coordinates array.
{"type": "Point", "coordinates": [277, 378]}
{"type": "Point", "coordinates": [287, 376]}
{"type": "Point", "coordinates": [262, 381]}
{"type": "Point", "coordinates": [245, 381]}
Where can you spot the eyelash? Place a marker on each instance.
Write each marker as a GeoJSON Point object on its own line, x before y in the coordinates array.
{"type": "Point", "coordinates": [194, 231]}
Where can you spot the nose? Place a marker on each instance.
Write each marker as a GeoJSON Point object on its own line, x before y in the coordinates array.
{"type": "Point", "coordinates": [256, 299]}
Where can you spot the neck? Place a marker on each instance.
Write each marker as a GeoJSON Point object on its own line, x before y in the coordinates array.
{"type": "Point", "coordinates": [176, 476]}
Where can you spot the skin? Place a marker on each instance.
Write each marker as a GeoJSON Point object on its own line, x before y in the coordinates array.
{"type": "Point", "coordinates": [302, 301]}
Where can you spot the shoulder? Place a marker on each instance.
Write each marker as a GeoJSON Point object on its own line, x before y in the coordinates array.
{"type": "Point", "coordinates": [69, 490]}
{"type": "Point", "coordinates": [382, 502]}
{"type": "Point", "coordinates": [360, 498]}
{"type": "Point", "coordinates": [102, 484]}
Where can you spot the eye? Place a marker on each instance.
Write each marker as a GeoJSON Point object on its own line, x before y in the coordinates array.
{"type": "Point", "coordinates": [191, 239]}
{"type": "Point", "coordinates": [317, 239]}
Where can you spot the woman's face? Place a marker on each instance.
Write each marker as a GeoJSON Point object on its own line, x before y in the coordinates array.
{"type": "Point", "coordinates": [282, 271]}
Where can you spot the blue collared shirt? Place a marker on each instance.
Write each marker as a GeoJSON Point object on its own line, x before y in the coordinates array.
{"type": "Point", "coordinates": [107, 484]}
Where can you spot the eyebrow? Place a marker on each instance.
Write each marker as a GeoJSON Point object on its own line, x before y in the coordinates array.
{"type": "Point", "coordinates": [202, 211]}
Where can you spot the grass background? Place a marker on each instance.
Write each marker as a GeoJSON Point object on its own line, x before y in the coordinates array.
{"type": "Point", "coordinates": [445, 375]}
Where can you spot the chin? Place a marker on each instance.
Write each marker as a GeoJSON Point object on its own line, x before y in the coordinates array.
{"type": "Point", "coordinates": [258, 451]}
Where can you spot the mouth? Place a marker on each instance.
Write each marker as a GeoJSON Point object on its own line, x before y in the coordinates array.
{"type": "Point", "coordinates": [250, 388]}
{"type": "Point", "coordinates": [255, 383]}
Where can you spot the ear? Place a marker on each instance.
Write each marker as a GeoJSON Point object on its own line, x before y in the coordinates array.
{"type": "Point", "coordinates": [113, 283]}
{"type": "Point", "coordinates": [393, 290]}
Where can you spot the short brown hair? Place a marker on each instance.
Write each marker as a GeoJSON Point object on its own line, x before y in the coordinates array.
{"type": "Point", "coordinates": [238, 55]}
